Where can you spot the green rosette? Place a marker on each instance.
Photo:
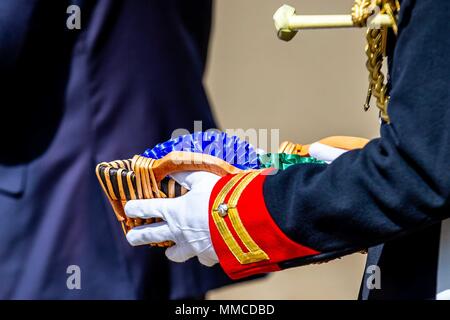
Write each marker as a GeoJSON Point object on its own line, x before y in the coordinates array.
{"type": "Point", "coordinates": [284, 160]}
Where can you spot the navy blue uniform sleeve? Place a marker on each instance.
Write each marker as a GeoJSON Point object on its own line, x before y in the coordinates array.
{"type": "Point", "coordinates": [398, 183]}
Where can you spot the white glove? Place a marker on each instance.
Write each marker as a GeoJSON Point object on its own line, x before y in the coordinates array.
{"type": "Point", "coordinates": [185, 219]}
{"type": "Point", "coordinates": [325, 152]}
{"type": "Point", "coordinates": [444, 295]}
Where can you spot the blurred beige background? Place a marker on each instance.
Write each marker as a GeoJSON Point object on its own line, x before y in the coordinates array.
{"type": "Point", "coordinates": [309, 88]}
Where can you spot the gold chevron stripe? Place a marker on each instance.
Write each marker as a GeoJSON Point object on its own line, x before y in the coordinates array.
{"type": "Point", "coordinates": [255, 253]}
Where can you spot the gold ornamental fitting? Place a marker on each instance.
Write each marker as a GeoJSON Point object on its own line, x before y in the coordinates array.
{"type": "Point", "coordinates": [288, 23]}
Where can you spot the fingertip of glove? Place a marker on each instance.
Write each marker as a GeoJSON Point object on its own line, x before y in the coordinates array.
{"type": "Point", "coordinates": [130, 208]}
{"type": "Point", "coordinates": [131, 238]}
{"type": "Point", "coordinates": [207, 262]}
{"type": "Point", "coordinates": [172, 254]}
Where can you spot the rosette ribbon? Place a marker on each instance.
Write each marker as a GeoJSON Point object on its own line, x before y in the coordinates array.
{"type": "Point", "coordinates": [231, 149]}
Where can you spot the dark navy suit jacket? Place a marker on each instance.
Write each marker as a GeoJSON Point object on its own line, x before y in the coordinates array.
{"type": "Point", "coordinates": [70, 99]}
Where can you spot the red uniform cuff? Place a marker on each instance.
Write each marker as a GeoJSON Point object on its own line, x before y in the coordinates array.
{"type": "Point", "coordinates": [244, 235]}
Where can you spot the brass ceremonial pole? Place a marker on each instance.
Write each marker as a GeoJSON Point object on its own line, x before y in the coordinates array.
{"type": "Point", "coordinates": [379, 16]}
{"type": "Point", "coordinates": [287, 22]}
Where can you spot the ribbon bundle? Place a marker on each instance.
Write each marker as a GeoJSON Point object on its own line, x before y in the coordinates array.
{"type": "Point", "coordinates": [231, 149]}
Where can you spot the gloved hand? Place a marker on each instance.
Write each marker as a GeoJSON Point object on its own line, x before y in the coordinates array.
{"type": "Point", "coordinates": [325, 152]}
{"type": "Point", "coordinates": [185, 219]}
{"type": "Point", "coordinates": [330, 148]}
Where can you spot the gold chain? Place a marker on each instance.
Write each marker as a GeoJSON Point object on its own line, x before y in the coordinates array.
{"type": "Point", "coordinates": [376, 48]}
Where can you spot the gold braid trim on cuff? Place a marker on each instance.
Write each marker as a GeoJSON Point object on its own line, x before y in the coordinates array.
{"type": "Point", "coordinates": [255, 253]}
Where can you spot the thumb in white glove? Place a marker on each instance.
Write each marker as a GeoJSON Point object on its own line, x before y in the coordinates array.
{"type": "Point", "coordinates": [185, 219]}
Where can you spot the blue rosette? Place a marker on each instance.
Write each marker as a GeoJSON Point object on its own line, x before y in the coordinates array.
{"type": "Point", "coordinates": [231, 149]}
